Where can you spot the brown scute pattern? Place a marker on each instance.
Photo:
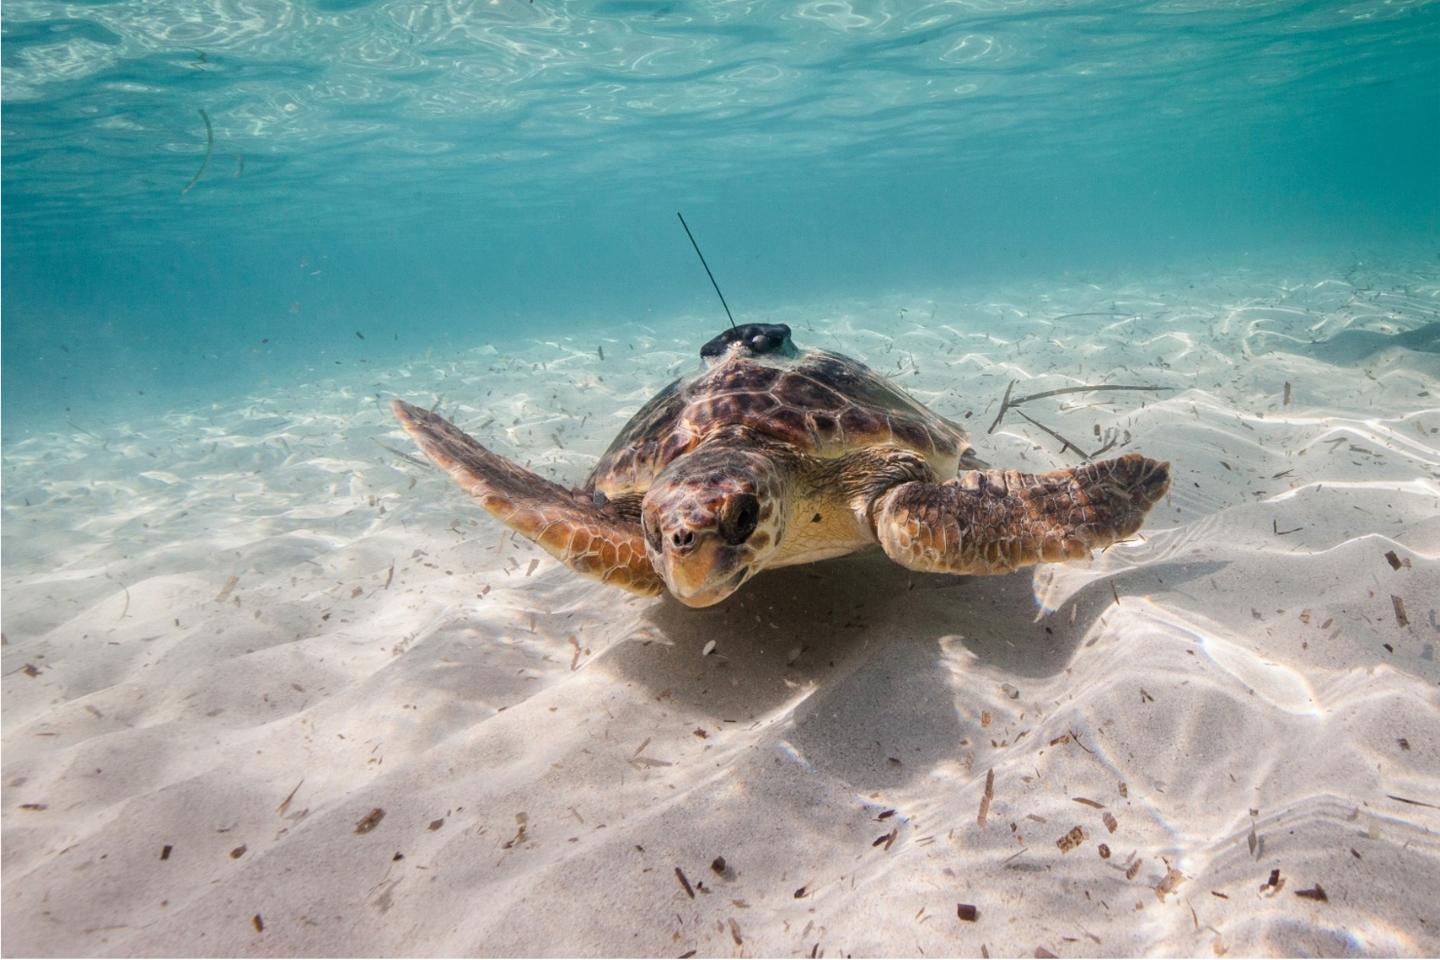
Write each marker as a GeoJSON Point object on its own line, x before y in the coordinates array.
{"type": "Point", "coordinates": [784, 423]}
{"type": "Point", "coordinates": [642, 448]}
{"type": "Point", "coordinates": [912, 434]}
{"type": "Point", "coordinates": [596, 541]}
{"type": "Point", "coordinates": [805, 393]}
{"type": "Point", "coordinates": [820, 403]}
{"type": "Point", "coordinates": [744, 378]}
{"type": "Point", "coordinates": [996, 521]}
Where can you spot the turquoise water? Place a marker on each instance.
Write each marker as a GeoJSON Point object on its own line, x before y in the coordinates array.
{"type": "Point", "coordinates": [242, 615]}
{"type": "Point", "coordinates": [433, 175]}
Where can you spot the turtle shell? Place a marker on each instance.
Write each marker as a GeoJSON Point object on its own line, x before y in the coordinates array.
{"type": "Point", "coordinates": [822, 403]}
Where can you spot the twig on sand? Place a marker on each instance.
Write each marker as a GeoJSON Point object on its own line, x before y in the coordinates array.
{"type": "Point", "coordinates": [1057, 436]}
{"type": "Point", "coordinates": [685, 883]}
{"type": "Point", "coordinates": [1085, 389]}
{"type": "Point", "coordinates": [1004, 405]}
{"type": "Point", "coordinates": [209, 149]}
{"type": "Point", "coordinates": [1007, 403]}
{"type": "Point", "coordinates": [285, 804]}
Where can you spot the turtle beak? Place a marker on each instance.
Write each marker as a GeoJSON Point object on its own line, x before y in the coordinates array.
{"type": "Point", "coordinates": [703, 572]}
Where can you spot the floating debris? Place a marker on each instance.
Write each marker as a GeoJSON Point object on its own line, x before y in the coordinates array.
{"type": "Point", "coordinates": [1172, 879]}
{"type": "Point", "coordinates": [521, 821]}
{"type": "Point", "coordinates": [209, 149]}
{"type": "Point", "coordinates": [1417, 803]}
{"type": "Point", "coordinates": [284, 805]}
{"type": "Point", "coordinates": [986, 798]}
{"type": "Point", "coordinates": [225, 590]}
{"type": "Point", "coordinates": [1071, 840]}
{"type": "Point", "coordinates": [370, 821]}
{"type": "Point", "coordinates": [1400, 618]}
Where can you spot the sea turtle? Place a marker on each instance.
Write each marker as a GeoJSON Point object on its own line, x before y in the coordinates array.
{"type": "Point", "coordinates": [770, 456]}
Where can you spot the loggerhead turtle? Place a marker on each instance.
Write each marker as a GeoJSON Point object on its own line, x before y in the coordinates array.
{"type": "Point", "coordinates": [771, 456]}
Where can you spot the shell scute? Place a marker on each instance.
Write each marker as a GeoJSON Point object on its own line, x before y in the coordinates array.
{"type": "Point", "coordinates": [788, 423]}
{"type": "Point", "coordinates": [822, 403]}
{"type": "Point", "coordinates": [911, 433]}
{"type": "Point", "coordinates": [740, 378]}
{"type": "Point", "coordinates": [863, 422]}
{"type": "Point", "coordinates": [805, 393]}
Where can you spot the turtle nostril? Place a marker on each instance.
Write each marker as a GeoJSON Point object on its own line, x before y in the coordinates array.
{"type": "Point", "coordinates": [682, 538]}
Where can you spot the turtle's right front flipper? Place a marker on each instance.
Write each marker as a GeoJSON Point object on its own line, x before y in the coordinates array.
{"type": "Point", "coordinates": [588, 539]}
{"type": "Point", "coordinates": [995, 521]}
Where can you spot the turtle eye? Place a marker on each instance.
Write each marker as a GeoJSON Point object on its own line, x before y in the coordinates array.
{"type": "Point", "coordinates": [652, 536]}
{"type": "Point", "coordinates": [738, 521]}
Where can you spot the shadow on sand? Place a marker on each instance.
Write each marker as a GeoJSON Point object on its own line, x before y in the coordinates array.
{"type": "Point", "coordinates": [853, 646]}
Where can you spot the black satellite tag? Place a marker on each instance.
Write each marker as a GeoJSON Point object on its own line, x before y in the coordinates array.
{"type": "Point", "coordinates": [758, 339]}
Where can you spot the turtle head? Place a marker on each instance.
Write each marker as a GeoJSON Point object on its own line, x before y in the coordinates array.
{"type": "Point", "coordinates": [713, 519]}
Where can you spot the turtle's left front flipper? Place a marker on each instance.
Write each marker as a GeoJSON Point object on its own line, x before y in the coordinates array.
{"type": "Point", "coordinates": [996, 521]}
{"type": "Point", "coordinates": [594, 540]}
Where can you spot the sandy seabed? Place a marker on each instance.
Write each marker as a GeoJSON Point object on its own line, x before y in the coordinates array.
{"type": "Point", "coordinates": [271, 689]}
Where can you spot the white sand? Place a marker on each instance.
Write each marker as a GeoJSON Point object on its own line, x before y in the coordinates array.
{"type": "Point", "coordinates": [547, 751]}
